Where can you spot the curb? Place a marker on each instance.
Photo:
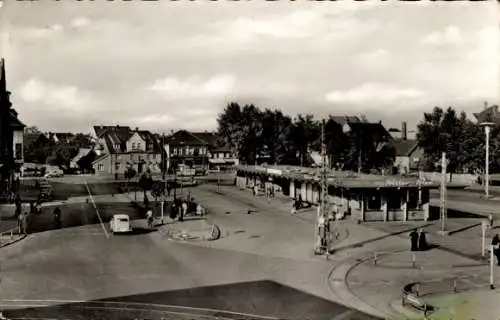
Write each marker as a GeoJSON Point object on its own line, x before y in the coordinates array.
{"type": "Point", "coordinates": [14, 241]}
{"type": "Point", "coordinates": [349, 264]}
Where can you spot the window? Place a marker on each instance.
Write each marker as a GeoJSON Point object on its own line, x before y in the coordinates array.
{"type": "Point", "coordinates": [19, 151]}
{"type": "Point", "coordinates": [138, 145]}
{"type": "Point", "coordinates": [196, 152]}
{"type": "Point", "coordinates": [117, 166]}
{"type": "Point", "coordinates": [133, 145]}
{"type": "Point", "coordinates": [100, 167]}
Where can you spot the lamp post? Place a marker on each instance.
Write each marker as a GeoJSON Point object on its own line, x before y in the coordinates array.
{"type": "Point", "coordinates": [487, 128]}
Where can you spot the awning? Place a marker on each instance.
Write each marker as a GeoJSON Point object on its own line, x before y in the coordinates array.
{"type": "Point", "coordinates": [217, 161]}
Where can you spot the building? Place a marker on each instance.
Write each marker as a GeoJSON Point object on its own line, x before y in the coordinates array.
{"type": "Point", "coordinates": [359, 197]}
{"type": "Point", "coordinates": [408, 155]}
{"type": "Point", "coordinates": [198, 150]}
{"type": "Point", "coordinates": [488, 114]}
{"type": "Point", "coordinates": [119, 148]}
{"type": "Point", "coordinates": [11, 136]}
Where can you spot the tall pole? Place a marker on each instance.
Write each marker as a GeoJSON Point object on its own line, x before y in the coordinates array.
{"type": "Point", "coordinates": [487, 162]}
{"type": "Point", "coordinates": [492, 267]}
{"type": "Point", "coordinates": [443, 192]}
{"type": "Point", "coordinates": [323, 223]}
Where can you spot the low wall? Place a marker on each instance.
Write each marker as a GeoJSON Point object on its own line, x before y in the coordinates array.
{"type": "Point", "coordinates": [461, 178]}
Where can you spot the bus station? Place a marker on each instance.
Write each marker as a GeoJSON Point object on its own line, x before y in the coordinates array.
{"type": "Point", "coordinates": [360, 197]}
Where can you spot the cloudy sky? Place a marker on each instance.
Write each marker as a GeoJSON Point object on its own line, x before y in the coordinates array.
{"type": "Point", "coordinates": [166, 65]}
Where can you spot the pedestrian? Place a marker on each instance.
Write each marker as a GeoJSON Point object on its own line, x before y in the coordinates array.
{"type": "Point", "coordinates": [57, 218]}
{"type": "Point", "coordinates": [24, 223]}
{"type": "Point", "coordinates": [184, 208]}
{"type": "Point", "coordinates": [38, 207]}
{"type": "Point", "coordinates": [490, 221]}
{"type": "Point", "coordinates": [414, 240]}
{"type": "Point", "coordinates": [294, 206]}
{"type": "Point", "coordinates": [149, 217]}
{"type": "Point", "coordinates": [495, 242]}
{"type": "Point", "coordinates": [422, 241]}
{"type": "Point", "coordinates": [255, 190]}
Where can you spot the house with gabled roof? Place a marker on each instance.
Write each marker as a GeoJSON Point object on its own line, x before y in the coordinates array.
{"type": "Point", "coordinates": [119, 148]}
{"type": "Point", "coordinates": [488, 114]}
{"type": "Point", "coordinates": [198, 150]}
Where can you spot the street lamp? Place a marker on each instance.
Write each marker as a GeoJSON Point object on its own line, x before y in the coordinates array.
{"type": "Point", "coordinates": [487, 128]}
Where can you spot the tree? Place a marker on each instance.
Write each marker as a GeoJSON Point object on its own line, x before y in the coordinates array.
{"type": "Point", "coordinates": [146, 182]}
{"type": "Point", "coordinates": [305, 134]}
{"type": "Point", "coordinates": [275, 131]}
{"type": "Point", "coordinates": [37, 147]}
{"type": "Point", "coordinates": [241, 129]}
{"type": "Point", "coordinates": [129, 174]}
{"type": "Point", "coordinates": [445, 131]}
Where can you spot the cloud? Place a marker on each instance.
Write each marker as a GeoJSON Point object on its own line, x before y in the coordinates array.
{"type": "Point", "coordinates": [157, 119]}
{"type": "Point", "coordinates": [80, 22]}
{"type": "Point", "coordinates": [194, 87]}
{"type": "Point", "coordinates": [373, 93]}
{"type": "Point", "coordinates": [449, 36]}
{"type": "Point", "coordinates": [43, 32]}
{"type": "Point", "coordinates": [55, 96]}
{"type": "Point", "coordinates": [303, 29]}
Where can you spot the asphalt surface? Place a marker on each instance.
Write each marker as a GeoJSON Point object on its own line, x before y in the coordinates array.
{"type": "Point", "coordinates": [142, 275]}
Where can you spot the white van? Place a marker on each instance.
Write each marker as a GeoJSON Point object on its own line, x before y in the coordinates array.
{"type": "Point", "coordinates": [120, 223]}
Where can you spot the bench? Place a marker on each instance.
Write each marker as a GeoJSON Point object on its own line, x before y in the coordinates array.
{"type": "Point", "coordinates": [410, 298]}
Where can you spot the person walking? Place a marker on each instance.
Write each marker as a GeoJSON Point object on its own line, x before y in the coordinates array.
{"type": "Point", "coordinates": [495, 242]}
{"type": "Point", "coordinates": [414, 240]}
{"type": "Point", "coordinates": [490, 221]}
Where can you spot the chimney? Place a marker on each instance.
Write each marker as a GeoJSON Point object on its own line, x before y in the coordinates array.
{"type": "Point", "coordinates": [403, 130]}
{"type": "Point", "coordinates": [485, 105]}
{"type": "Point", "coordinates": [136, 129]}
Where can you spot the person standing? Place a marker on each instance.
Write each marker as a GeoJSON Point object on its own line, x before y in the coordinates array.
{"type": "Point", "coordinates": [422, 241]}
{"type": "Point", "coordinates": [184, 208]}
{"type": "Point", "coordinates": [490, 221]}
{"type": "Point", "coordinates": [57, 218]}
{"type": "Point", "coordinates": [414, 240]}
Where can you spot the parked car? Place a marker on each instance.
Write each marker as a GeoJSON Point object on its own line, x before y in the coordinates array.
{"type": "Point", "coordinates": [54, 174]}
{"type": "Point", "coordinates": [120, 223]}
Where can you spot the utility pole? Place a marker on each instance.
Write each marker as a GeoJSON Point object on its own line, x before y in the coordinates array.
{"type": "Point", "coordinates": [323, 223]}
{"type": "Point", "coordinates": [444, 163]}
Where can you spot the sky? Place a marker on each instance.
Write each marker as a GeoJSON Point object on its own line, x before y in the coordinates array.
{"type": "Point", "coordinates": [168, 65]}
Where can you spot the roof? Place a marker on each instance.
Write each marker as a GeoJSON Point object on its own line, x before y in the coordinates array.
{"type": "Point", "coordinates": [118, 136]}
{"type": "Point", "coordinates": [15, 122]}
{"type": "Point", "coordinates": [345, 119]}
{"type": "Point", "coordinates": [102, 157]}
{"type": "Point", "coordinates": [82, 152]}
{"type": "Point", "coordinates": [185, 138]}
{"type": "Point", "coordinates": [121, 131]}
{"type": "Point", "coordinates": [371, 129]}
{"type": "Point", "coordinates": [209, 137]}
{"type": "Point", "coordinates": [404, 148]}
{"type": "Point", "coordinates": [343, 179]}
{"type": "Point", "coordinates": [489, 114]}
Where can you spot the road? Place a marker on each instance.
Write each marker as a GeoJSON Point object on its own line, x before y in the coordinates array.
{"type": "Point", "coordinates": [67, 273]}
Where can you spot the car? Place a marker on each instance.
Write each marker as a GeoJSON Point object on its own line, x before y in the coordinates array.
{"type": "Point", "coordinates": [120, 223]}
{"type": "Point", "coordinates": [54, 174]}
